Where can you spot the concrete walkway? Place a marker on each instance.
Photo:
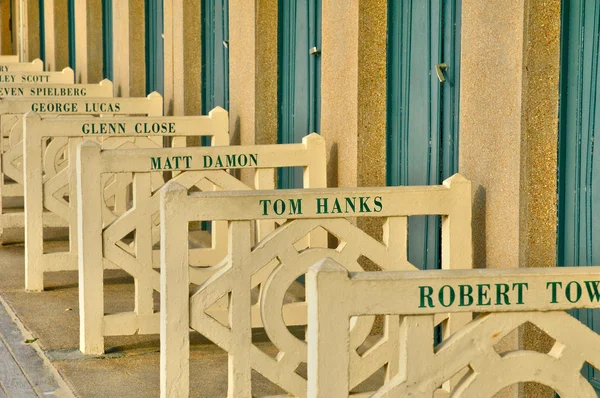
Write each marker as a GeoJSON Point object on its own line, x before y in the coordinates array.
{"type": "Point", "coordinates": [130, 367]}
{"type": "Point", "coordinates": [24, 370]}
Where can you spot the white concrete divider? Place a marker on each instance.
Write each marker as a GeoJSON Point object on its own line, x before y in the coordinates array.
{"type": "Point", "coordinates": [102, 233]}
{"type": "Point", "coordinates": [11, 136]}
{"type": "Point", "coordinates": [46, 188]}
{"type": "Point", "coordinates": [11, 66]}
{"type": "Point", "coordinates": [9, 59]}
{"type": "Point", "coordinates": [505, 299]}
{"type": "Point", "coordinates": [278, 256]}
{"type": "Point", "coordinates": [66, 76]}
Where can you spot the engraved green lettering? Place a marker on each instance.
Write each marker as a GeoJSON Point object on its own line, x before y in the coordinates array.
{"type": "Point", "coordinates": [253, 159]}
{"type": "Point", "coordinates": [336, 209]}
{"type": "Point", "coordinates": [482, 294]}
{"type": "Point", "coordinates": [568, 291]}
{"type": "Point", "coordinates": [279, 206]}
{"type": "Point", "coordinates": [230, 159]}
{"type": "Point", "coordinates": [351, 203]}
{"type": "Point", "coordinates": [296, 206]}
{"type": "Point", "coordinates": [520, 286]}
{"type": "Point", "coordinates": [466, 295]}
{"type": "Point", "coordinates": [378, 205]}
{"type": "Point", "coordinates": [553, 285]}
{"type": "Point", "coordinates": [502, 294]}
{"type": "Point", "coordinates": [155, 163]}
{"type": "Point", "coordinates": [425, 293]}
{"type": "Point", "coordinates": [322, 206]}
{"type": "Point", "coordinates": [592, 289]}
{"type": "Point", "coordinates": [265, 203]}
{"type": "Point", "coordinates": [364, 205]}
{"type": "Point", "coordinates": [442, 297]}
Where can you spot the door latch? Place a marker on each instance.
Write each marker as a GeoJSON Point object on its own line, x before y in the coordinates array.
{"type": "Point", "coordinates": [314, 51]}
{"type": "Point", "coordinates": [439, 71]}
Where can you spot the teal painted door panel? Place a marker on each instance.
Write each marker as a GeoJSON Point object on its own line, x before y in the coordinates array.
{"type": "Point", "coordinates": [155, 58]}
{"type": "Point", "coordinates": [299, 75]}
{"type": "Point", "coordinates": [42, 33]}
{"type": "Point", "coordinates": [422, 118]}
{"type": "Point", "coordinates": [215, 54]}
{"type": "Point", "coordinates": [579, 157]}
{"type": "Point", "coordinates": [107, 39]}
{"type": "Point", "coordinates": [71, 17]}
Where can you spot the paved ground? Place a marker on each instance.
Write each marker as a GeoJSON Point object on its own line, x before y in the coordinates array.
{"type": "Point", "coordinates": [131, 366]}
{"type": "Point", "coordinates": [24, 370]}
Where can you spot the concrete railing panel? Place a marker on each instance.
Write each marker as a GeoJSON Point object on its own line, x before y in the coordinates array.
{"type": "Point", "coordinates": [280, 261]}
{"type": "Point", "coordinates": [505, 300]}
{"type": "Point", "coordinates": [50, 192]}
{"type": "Point", "coordinates": [9, 59]}
{"type": "Point", "coordinates": [11, 135]}
{"type": "Point", "coordinates": [66, 76]}
{"type": "Point", "coordinates": [131, 241]}
{"type": "Point", "coordinates": [10, 65]}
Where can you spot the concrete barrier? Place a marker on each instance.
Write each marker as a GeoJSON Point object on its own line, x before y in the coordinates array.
{"type": "Point", "coordinates": [66, 76]}
{"type": "Point", "coordinates": [11, 135]}
{"type": "Point", "coordinates": [19, 90]}
{"type": "Point", "coordinates": [10, 65]}
{"type": "Point", "coordinates": [279, 261]}
{"type": "Point", "coordinates": [9, 59]}
{"type": "Point", "coordinates": [103, 235]}
{"type": "Point", "coordinates": [504, 298]}
{"type": "Point", "coordinates": [50, 196]}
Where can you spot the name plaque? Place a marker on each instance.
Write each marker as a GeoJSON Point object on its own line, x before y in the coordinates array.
{"type": "Point", "coordinates": [57, 90]}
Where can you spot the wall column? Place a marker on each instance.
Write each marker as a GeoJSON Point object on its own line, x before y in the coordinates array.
{"type": "Point", "coordinates": [129, 51]}
{"type": "Point", "coordinates": [88, 41]}
{"type": "Point", "coordinates": [56, 35]}
{"type": "Point", "coordinates": [353, 104]}
{"type": "Point", "coordinates": [508, 139]}
{"type": "Point", "coordinates": [183, 50]}
{"type": "Point", "coordinates": [5, 29]}
{"type": "Point", "coordinates": [29, 27]}
{"type": "Point", "coordinates": [253, 71]}
{"type": "Point", "coordinates": [15, 27]}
